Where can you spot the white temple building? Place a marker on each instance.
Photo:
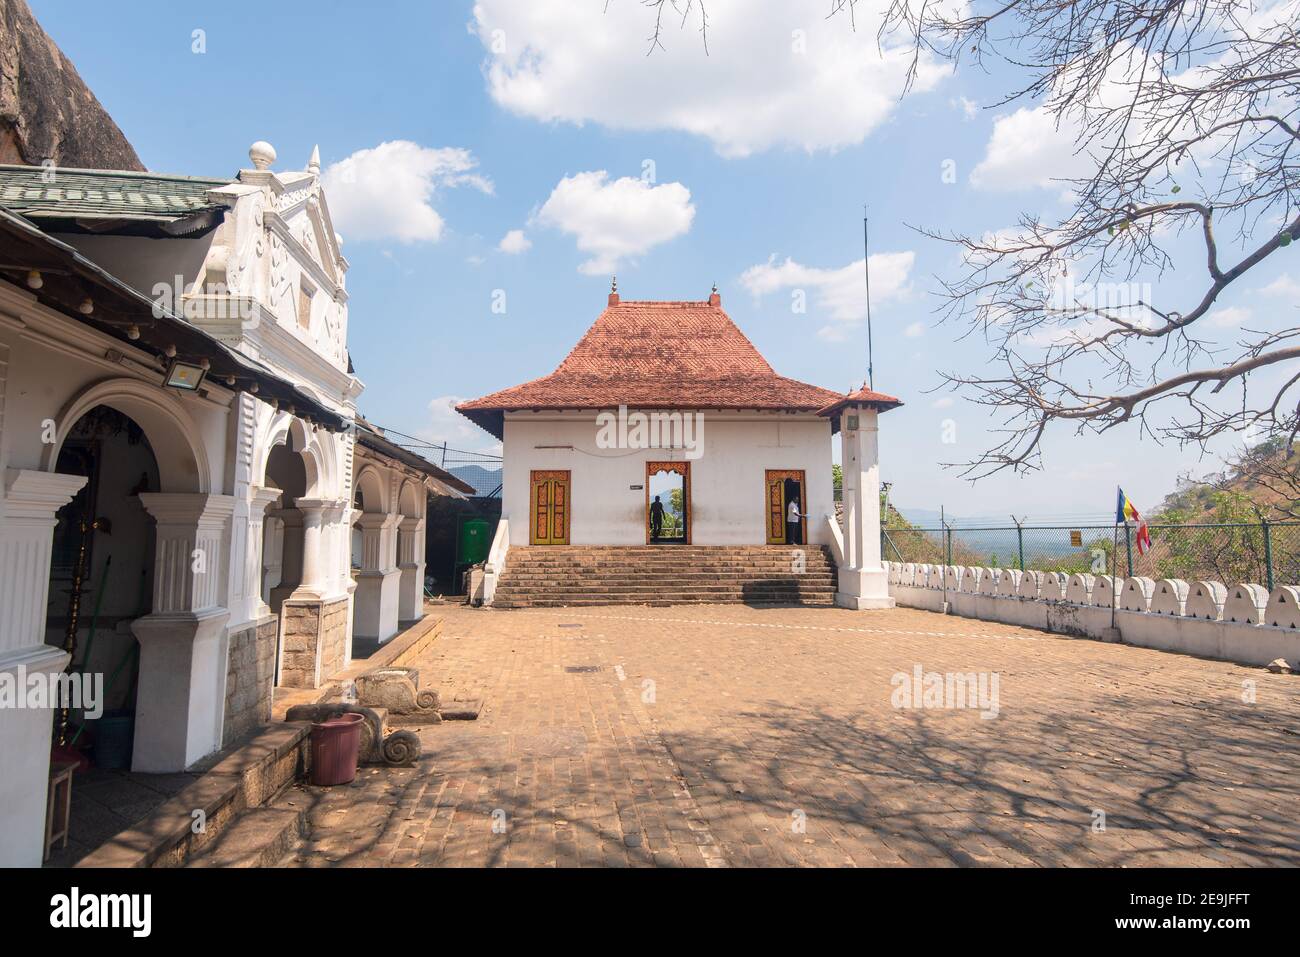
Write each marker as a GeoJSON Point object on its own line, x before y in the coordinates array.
{"type": "Point", "coordinates": [183, 466]}
{"type": "Point", "coordinates": [664, 426]}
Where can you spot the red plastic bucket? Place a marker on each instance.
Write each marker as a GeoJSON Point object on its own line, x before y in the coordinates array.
{"type": "Point", "coordinates": [334, 747]}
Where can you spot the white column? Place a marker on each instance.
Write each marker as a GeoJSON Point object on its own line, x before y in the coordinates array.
{"type": "Point", "coordinates": [862, 581]}
{"type": "Point", "coordinates": [375, 609]}
{"type": "Point", "coordinates": [259, 500]}
{"type": "Point", "coordinates": [27, 511]}
{"type": "Point", "coordinates": [182, 669]}
{"type": "Point", "coordinates": [410, 561]}
{"type": "Point", "coordinates": [311, 584]}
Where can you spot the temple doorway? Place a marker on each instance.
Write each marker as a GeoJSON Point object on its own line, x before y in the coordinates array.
{"type": "Point", "coordinates": [668, 503]}
{"type": "Point", "coordinates": [784, 486]}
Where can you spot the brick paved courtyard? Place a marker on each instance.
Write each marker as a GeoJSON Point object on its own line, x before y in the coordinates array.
{"type": "Point", "coordinates": [735, 736]}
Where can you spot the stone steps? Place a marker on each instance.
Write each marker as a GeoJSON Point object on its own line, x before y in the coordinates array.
{"type": "Point", "coordinates": [263, 837]}
{"type": "Point", "coordinates": [583, 576]}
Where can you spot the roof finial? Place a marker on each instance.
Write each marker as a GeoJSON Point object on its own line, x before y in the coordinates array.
{"type": "Point", "coordinates": [613, 290]}
{"type": "Point", "coordinates": [313, 164]}
{"type": "Point", "coordinates": [262, 154]}
{"type": "Point", "coordinates": [714, 298]}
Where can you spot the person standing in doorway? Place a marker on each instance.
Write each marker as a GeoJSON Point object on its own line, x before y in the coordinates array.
{"type": "Point", "coordinates": [656, 518]}
{"type": "Point", "coordinates": [793, 522]}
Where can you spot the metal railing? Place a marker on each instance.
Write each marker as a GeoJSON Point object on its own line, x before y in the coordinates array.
{"type": "Point", "coordinates": [1266, 552]}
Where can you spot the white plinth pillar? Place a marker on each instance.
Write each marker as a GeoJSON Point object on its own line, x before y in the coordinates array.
{"type": "Point", "coordinates": [27, 511]}
{"type": "Point", "coordinates": [410, 561]}
{"type": "Point", "coordinates": [259, 500]}
{"type": "Point", "coordinates": [311, 584]}
{"type": "Point", "coordinates": [378, 581]}
{"type": "Point", "coordinates": [178, 714]}
{"type": "Point", "coordinates": [862, 580]}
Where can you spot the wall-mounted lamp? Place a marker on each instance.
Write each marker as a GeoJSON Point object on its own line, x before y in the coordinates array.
{"type": "Point", "coordinates": [184, 375]}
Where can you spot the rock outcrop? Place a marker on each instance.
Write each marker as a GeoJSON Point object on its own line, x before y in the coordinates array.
{"type": "Point", "coordinates": [46, 111]}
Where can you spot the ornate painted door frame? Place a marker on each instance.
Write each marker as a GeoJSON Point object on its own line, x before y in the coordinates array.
{"type": "Point", "coordinates": [678, 468]}
{"type": "Point", "coordinates": [550, 502]}
{"type": "Point", "coordinates": [775, 503]}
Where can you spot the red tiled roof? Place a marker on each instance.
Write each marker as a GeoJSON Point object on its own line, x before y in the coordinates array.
{"type": "Point", "coordinates": [657, 355]}
{"type": "Point", "coordinates": [863, 396]}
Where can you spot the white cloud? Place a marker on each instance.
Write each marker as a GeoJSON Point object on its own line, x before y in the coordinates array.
{"type": "Point", "coordinates": [1283, 285]}
{"type": "Point", "coordinates": [616, 220]}
{"type": "Point", "coordinates": [840, 293]}
{"type": "Point", "coordinates": [447, 425]}
{"type": "Point", "coordinates": [1229, 317]}
{"type": "Point", "coordinates": [1027, 150]}
{"type": "Point", "coordinates": [943, 403]}
{"type": "Point", "coordinates": [387, 192]}
{"type": "Point", "coordinates": [515, 242]}
{"type": "Point", "coordinates": [969, 108]}
{"type": "Point", "coordinates": [775, 73]}
{"type": "Point", "coordinates": [915, 330]}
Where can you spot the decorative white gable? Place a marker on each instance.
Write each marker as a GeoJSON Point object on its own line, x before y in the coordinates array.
{"type": "Point", "coordinates": [273, 283]}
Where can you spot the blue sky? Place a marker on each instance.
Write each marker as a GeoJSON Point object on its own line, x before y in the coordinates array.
{"type": "Point", "coordinates": [757, 150]}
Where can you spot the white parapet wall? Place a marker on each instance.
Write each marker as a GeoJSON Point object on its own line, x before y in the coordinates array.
{"type": "Point", "coordinates": [1244, 623]}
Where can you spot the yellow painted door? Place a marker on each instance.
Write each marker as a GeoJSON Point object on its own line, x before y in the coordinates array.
{"type": "Point", "coordinates": [549, 521]}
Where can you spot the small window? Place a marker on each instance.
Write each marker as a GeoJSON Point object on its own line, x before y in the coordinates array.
{"type": "Point", "coordinates": [306, 293]}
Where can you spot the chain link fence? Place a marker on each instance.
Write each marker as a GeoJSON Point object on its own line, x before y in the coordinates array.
{"type": "Point", "coordinates": [1267, 553]}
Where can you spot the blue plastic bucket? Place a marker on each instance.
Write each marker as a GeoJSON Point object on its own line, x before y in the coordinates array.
{"type": "Point", "coordinates": [114, 736]}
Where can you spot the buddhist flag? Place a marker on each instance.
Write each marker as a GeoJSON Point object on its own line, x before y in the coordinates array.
{"type": "Point", "coordinates": [1125, 512]}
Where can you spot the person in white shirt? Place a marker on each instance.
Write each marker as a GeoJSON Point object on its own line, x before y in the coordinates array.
{"type": "Point", "coordinates": [793, 525]}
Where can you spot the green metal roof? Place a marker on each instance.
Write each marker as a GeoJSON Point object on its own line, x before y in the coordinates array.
{"type": "Point", "coordinates": [39, 192]}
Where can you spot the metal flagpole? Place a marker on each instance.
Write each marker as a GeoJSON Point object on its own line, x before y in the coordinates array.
{"type": "Point", "coordinates": [866, 266]}
{"type": "Point", "coordinates": [1114, 567]}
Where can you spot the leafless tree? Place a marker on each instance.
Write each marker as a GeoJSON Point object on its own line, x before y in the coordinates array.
{"type": "Point", "coordinates": [1186, 116]}
{"type": "Point", "coordinates": [683, 11]}
{"type": "Point", "coordinates": [1186, 123]}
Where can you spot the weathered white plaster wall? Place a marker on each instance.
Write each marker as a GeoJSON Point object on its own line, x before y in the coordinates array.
{"type": "Point", "coordinates": [728, 502]}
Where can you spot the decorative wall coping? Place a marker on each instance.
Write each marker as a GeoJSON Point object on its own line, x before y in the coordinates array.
{"type": "Point", "coordinates": [1245, 603]}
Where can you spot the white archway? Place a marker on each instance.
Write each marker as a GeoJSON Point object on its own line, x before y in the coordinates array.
{"type": "Point", "coordinates": [279, 431]}
{"type": "Point", "coordinates": [183, 464]}
{"type": "Point", "coordinates": [373, 490]}
{"type": "Point", "coordinates": [410, 501]}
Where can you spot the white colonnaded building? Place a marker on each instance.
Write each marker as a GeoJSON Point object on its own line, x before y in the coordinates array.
{"type": "Point", "coordinates": [183, 468]}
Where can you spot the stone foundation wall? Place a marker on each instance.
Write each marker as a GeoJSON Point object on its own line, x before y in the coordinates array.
{"type": "Point", "coordinates": [334, 638]}
{"type": "Point", "coordinates": [250, 677]}
{"type": "Point", "coordinates": [300, 623]}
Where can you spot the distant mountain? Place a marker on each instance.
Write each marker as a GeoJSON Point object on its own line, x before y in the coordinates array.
{"type": "Point", "coordinates": [485, 481]}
